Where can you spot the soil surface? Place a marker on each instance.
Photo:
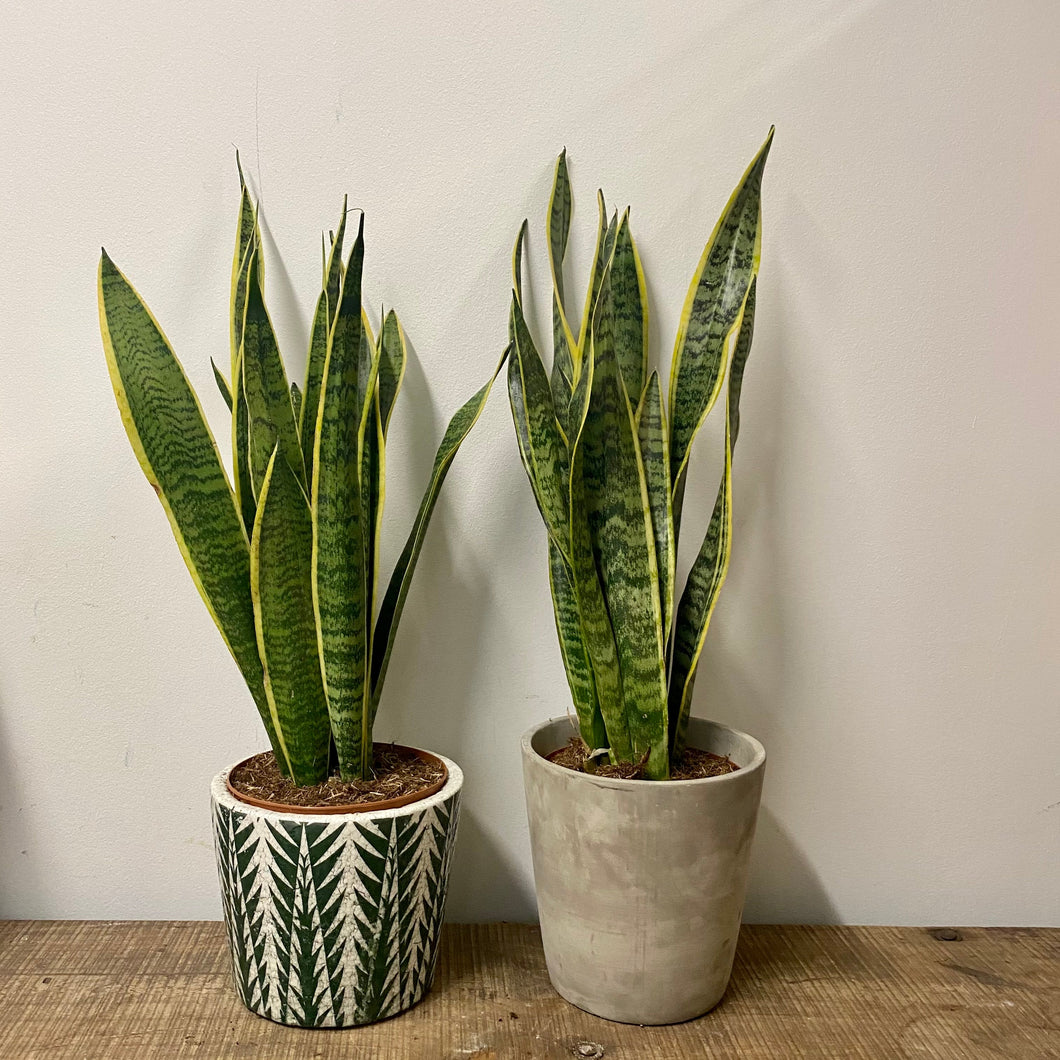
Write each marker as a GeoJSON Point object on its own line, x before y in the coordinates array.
{"type": "Point", "coordinates": [694, 763]}
{"type": "Point", "coordinates": [398, 771]}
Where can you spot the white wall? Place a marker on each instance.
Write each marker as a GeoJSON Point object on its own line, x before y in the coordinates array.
{"type": "Point", "coordinates": [891, 622]}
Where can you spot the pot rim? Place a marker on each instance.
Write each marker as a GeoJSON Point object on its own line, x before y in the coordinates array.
{"type": "Point", "coordinates": [450, 772]}
{"type": "Point", "coordinates": [623, 784]}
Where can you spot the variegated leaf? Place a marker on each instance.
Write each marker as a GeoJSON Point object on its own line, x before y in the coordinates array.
{"type": "Point", "coordinates": [241, 454]}
{"type": "Point", "coordinates": [655, 455]}
{"type": "Point", "coordinates": [517, 262]}
{"type": "Point", "coordinates": [338, 567]}
{"type": "Point", "coordinates": [248, 238]}
{"type": "Point", "coordinates": [323, 317]}
{"type": "Point", "coordinates": [711, 311]}
{"type": "Point", "coordinates": [629, 297]}
{"type": "Point", "coordinates": [594, 622]}
{"type": "Point", "coordinates": [281, 556]}
{"type": "Point", "coordinates": [177, 453]}
{"type": "Point", "coordinates": [572, 646]}
{"type": "Point", "coordinates": [623, 545]}
{"type": "Point", "coordinates": [373, 487]}
{"type": "Point", "coordinates": [712, 564]}
{"type": "Point", "coordinates": [270, 412]}
{"type": "Point", "coordinates": [605, 246]}
{"type": "Point", "coordinates": [565, 353]}
{"type": "Point", "coordinates": [393, 356]}
{"type": "Point", "coordinates": [222, 385]}
{"type": "Point", "coordinates": [248, 245]}
{"type": "Point", "coordinates": [541, 443]}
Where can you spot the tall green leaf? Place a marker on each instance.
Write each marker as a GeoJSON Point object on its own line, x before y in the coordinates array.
{"type": "Point", "coordinates": [177, 453]}
{"type": "Point", "coordinates": [281, 554]}
{"type": "Point", "coordinates": [394, 601]}
{"type": "Point", "coordinates": [596, 630]}
{"type": "Point", "coordinates": [393, 357]}
{"type": "Point", "coordinates": [517, 262]}
{"type": "Point", "coordinates": [710, 315]}
{"type": "Point", "coordinates": [241, 454]}
{"type": "Point", "coordinates": [333, 267]}
{"type": "Point", "coordinates": [655, 455]}
{"type": "Point", "coordinates": [247, 237]}
{"type": "Point", "coordinates": [573, 649]}
{"type": "Point", "coordinates": [605, 246]}
{"type": "Point", "coordinates": [541, 443]}
{"type": "Point", "coordinates": [559, 214]}
{"type": "Point", "coordinates": [222, 385]}
{"type": "Point", "coordinates": [250, 246]}
{"type": "Point", "coordinates": [712, 564]}
{"type": "Point", "coordinates": [270, 410]}
{"type": "Point", "coordinates": [322, 318]}
{"type": "Point", "coordinates": [565, 354]}
{"type": "Point", "coordinates": [629, 297]}
{"type": "Point", "coordinates": [338, 558]}
{"type": "Point", "coordinates": [373, 489]}
{"type": "Point", "coordinates": [623, 544]}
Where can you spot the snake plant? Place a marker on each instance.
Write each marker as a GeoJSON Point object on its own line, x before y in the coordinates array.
{"type": "Point", "coordinates": [608, 464]}
{"type": "Point", "coordinates": [286, 554]}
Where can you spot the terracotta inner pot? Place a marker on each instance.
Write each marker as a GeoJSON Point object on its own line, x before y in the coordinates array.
{"type": "Point", "coordinates": [353, 807]}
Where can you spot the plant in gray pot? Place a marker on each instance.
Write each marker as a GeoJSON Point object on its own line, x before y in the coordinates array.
{"type": "Point", "coordinates": [640, 824]}
{"type": "Point", "coordinates": [333, 853]}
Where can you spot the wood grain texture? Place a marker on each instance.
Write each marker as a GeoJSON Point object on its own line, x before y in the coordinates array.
{"type": "Point", "coordinates": [113, 991]}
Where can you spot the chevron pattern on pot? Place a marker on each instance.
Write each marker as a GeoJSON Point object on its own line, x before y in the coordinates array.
{"type": "Point", "coordinates": [334, 921]}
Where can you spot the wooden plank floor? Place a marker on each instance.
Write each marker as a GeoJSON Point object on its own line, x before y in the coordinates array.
{"type": "Point", "coordinates": [161, 991]}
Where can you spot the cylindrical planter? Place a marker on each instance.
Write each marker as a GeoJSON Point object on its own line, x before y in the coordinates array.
{"type": "Point", "coordinates": [640, 884]}
{"type": "Point", "coordinates": [333, 919]}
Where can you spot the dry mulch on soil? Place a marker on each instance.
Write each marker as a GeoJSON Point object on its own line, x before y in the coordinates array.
{"type": "Point", "coordinates": [398, 771]}
{"type": "Point", "coordinates": [694, 763]}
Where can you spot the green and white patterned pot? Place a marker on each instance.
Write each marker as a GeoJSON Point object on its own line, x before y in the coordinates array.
{"type": "Point", "coordinates": [333, 920]}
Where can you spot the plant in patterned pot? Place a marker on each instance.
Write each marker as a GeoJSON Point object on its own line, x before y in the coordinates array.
{"type": "Point", "coordinates": [641, 817]}
{"type": "Point", "coordinates": [333, 852]}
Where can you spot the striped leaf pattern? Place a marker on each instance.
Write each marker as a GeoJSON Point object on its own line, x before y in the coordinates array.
{"type": "Point", "coordinates": [655, 455]}
{"type": "Point", "coordinates": [541, 442]}
{"type": "Point", "coordinates": [575, 652]}
{"type": "Point", "coordinates": [338, 569]}
{"type": "Point", "coordinates": [286, 553]}
{"type": "Point", "coordinates": [711, 565]}
{"type": "Point", "coordinates": [323, 318]}
{"type": "Point", "coordinates": [271, 420]}
{"type": "Point", "coordinates": [333, 922]}
{"type": "Point", "coordinates": [281, 555]}
{"type": "Point", "coordinates": [608, 467]}
{"type": "Point", "coordinates": [623, 544]}
{"type": "Point", "coordinates": [177, 453]}
{"type": "Point", "coordinates": [629, 299]}
{"type": "Point", "coordinates": [565, 354]}
{"type": "Point", "coordinates": [729, 262]}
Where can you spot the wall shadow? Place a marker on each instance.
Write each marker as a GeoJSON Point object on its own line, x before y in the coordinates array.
{"type": "Point", "coordinates": [785, 887]}
{"type": "Point", "coordinates": [20, 874]}
{"type": "Point", "coordinates": [484, 885]}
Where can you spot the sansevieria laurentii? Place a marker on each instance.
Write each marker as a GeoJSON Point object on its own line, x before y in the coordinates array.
{"type": "Point", "coordinates": [607, 457]}
{"type": "Point", "coordinates": [286, 553]}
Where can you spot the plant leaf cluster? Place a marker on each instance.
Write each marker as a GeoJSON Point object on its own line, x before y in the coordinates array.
{"type": "Point", "coordinates": [607, 458]}
{"type": "Point", "coordinates": [285, 554]}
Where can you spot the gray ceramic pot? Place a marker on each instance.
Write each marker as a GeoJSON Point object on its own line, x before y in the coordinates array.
{"type": "Point", "coordinates": [333, 920]}
{"type": "Point", "coordinates": [640, 885]}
